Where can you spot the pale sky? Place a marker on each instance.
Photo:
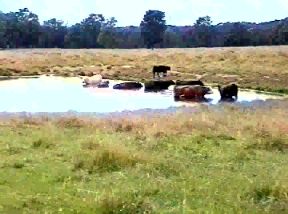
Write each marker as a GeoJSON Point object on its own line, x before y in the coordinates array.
{"type": "Point", "coordinates": [131, 12]}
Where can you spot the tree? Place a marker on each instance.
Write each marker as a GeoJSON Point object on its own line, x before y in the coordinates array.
{"type": "Point", "coordinates": [32, 32]}
{"type": "Point", "coordinates": [107, 36]}
{"type": "Point", "coordinates": [204, 21]}
{"type": "Point", "coordinates": [153, 27]}
{"type": "Point", "coordinates": [53, 34]}
{"type": "Point", "coordinates": [73, 39]}
{"type": "Point", "coordinates": [86, 33]}
{"type": "Point", "coordinates": [203, 32]}
{"type": "Point", "coordinates": [280, 34]}
{"type": "Point", "coordinates": [3, 40]}
{"type": "Point", "coordinates": [173, 39]}
{"type": "Point", "coordinates": [22, 28]}
{"type": "Point", "coordinates": [91, 28]}
{"type": "Point", "coordinates": [261, 37]}
{"type": "Point", "coordinates": [239, 35]}
{"type": "Point", "coordinates": [129, 37]}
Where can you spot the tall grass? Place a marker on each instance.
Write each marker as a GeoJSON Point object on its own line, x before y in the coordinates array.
{"type": "Point", "coordinates": [226, 159]}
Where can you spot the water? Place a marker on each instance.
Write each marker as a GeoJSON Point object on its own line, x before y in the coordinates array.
{"type": "Point", "coordinates": [58, 94]}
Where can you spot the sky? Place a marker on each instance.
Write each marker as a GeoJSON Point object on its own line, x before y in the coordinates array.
{"type": "Point", "coordinates": [131, 12]}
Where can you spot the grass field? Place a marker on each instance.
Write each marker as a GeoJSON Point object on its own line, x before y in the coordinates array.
{"type": "Point", "coordinates": [220, 160]}
{"type": "Point", "coordinates": [262, 68]}
{"type": "Point", "coordinates": [223, 159]}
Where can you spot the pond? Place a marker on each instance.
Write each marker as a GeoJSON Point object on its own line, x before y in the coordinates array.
{"type": "Point", "coordinates": [60, 94]}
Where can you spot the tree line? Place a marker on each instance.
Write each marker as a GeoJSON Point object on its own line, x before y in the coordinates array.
{"type": "Point", "coordinates": [22, 29]}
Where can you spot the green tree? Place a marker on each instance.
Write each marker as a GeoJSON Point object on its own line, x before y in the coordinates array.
{"type": "Point", "coordinates": [153, 27]}
{"type": "Point", "coordinates": [134, 39]}
{"type": "Point", "coordinates": [91, 28]}
{"type": "Point", "coordinates": [260, 37]}
{"type": "Point", "coordinates": [203, 31]}
{"type": "Point", "coordinates": [86, 33]}
{"type": "Point", "coordinates": [23, 29]}
{"type": "Point", "coordinates": [53, 34]}
{"type": "Point", "coordinates": [173, 39]}
{"type": "Point", "coordinates": [3, 40]}
{"type": "Point", "coordinates": [239, 35]}
{"type": "Point", "coordinates": [74, 39]}
{"type": "Point", "coordinates": [107, 36]}
{"type": "Point", "coordinates": [129, 37]}
{"type": "Point", "coordinates": [280, 36]}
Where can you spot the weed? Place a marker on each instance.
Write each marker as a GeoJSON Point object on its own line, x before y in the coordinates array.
{"type": "Point", "coordinates": [107, 159]}
{"type": "Point", "coordinates": [18, 165]}
{"type": "Point", "coordinates": [41, 143]}
{"type": "Point", "coordinates": [126, 206]}
{"type": "Point", "coordinates": [270, 193]}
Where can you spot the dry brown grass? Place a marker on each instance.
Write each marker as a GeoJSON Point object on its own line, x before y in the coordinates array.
{"type": "Point", "coordinates": [228, 119]}
{"type": "Point", "coordinates": [258, 68]}
{"type": "Point", "coordinates": [268, 125]}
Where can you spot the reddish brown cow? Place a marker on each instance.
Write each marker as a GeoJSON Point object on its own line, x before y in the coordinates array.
{"type": "Point", "coordinates": [191, 92]}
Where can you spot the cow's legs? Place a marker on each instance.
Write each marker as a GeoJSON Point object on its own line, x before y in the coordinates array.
{"type": "Point", "coordinates": [159, 75]}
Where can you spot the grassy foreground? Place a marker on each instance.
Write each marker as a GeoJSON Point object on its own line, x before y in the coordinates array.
{"type": "Point", "coordinates": [224, 160]}
{"type": "Point", "coordinates": [262, 68]}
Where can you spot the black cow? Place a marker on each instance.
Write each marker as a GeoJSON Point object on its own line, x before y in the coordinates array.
{"type": "Point", "coordinates": [103, 84]}
{"type": "Point", "coordinates": [228, 92]}
{"type": "Point", "coordinates": [128, 86]}
{"type": "Point", "coordinates": [158, 85]}
{"type": "Point", "coordinates": [161, 69]}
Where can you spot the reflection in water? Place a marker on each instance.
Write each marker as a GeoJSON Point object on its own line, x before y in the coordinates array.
{"type": "Point", "coordinates": [195, 100]}
{"type": "Point", "coordinates": [57, 94]}
{"type": "Point", "coordinates": [227, 100]}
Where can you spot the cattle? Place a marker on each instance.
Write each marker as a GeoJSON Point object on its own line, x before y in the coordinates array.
{"type": "Point", "coordinates": [191, 92]}
{"type": "Point", "coordinates": [103, 84]}
{"type": "Point", "coordinates": [93, 81]}
{"type": "Point", "coordinates": [158, 85]}
{"type": "Point", "coordinates": [189, 82]}
{"type": "Point", "coordinates": [228, 92]}
{"type": "Point", "coordinates": [160, 69]}
{"type": "Point", "coordinates": [128, 86]}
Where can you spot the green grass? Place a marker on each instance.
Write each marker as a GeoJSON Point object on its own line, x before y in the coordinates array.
{"type": "Point", "coordinates": [227, 160]}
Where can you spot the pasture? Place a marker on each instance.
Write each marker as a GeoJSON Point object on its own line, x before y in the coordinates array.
{"type": "Point", "coordinates": [228, 161]}
{"type": "Point", "coordinates": [217, 159]}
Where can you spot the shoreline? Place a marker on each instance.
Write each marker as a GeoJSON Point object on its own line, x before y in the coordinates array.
{"type": "Point", "coordinates": [6, 78]}
{"type": "Point", "coordinates": [254, 105]}
{"type": "Point", "coordinates": [260, 68]}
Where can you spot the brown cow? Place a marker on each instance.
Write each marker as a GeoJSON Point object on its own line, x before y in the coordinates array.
{"type": "Point", "coordinates": [191, 92]}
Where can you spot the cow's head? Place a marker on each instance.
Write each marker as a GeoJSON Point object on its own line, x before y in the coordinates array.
{"type": "Point", "coordinates": [167, 68]}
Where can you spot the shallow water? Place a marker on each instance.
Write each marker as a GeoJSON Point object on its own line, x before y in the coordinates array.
{"type": "Point", "coordinates": [58, 94]}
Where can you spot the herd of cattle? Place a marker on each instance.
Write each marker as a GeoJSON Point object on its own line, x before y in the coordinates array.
{"type": "Point", "coordinates": [188, 89]}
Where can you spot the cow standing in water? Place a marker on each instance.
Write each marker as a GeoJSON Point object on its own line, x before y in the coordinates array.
{"type": "Point", "coordinates": [196, 92]}
{"type": "Point", "coordinates": [228, 92]}
{"type": "Point", "coordinates": [161, 69]}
